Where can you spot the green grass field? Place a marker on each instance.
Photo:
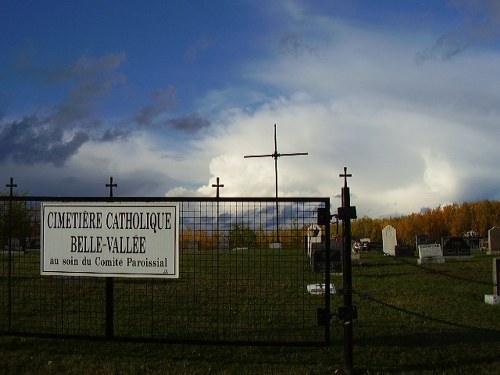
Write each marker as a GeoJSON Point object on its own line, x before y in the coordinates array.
{"type": "Point", "coordinates": [410, 320]}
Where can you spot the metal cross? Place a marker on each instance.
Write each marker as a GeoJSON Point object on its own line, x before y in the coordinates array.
{"type": "Point", "coordinates": [345, 175]}
{"type": "Point", "coordinates": [217, 185]}
{"type": "Point", "coordinates": [11, 186]}
{"type": "Point", "coordinates": [111, 185]}
{"type": "Point", "coordinates": [275, 155]}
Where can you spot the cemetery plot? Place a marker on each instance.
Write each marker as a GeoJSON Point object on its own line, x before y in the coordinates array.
{"type": "Point", "coordinates": [248, 295]}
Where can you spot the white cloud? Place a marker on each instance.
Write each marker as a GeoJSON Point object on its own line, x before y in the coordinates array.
{"type": "Point", "coordinates": [409, 133]}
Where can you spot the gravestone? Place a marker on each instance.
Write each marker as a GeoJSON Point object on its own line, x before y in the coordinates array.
{"type": "Point", "coordinates": [421, 239]}
{"type": "Point", "coordinates": [404, 251]}
{"type": "Point", "coordinates": [494, 241]}
{"type": "Point", "coordinates": [389, 240]}
{"type": "Point", "coordinates": [430, 253]}
{"type": "Point", "coordinates": [318, 256]}
{"type": "Point", "coordinates": [320, 289]}
{"type": "Point", "coordinates": [494, 299]}
{"type": "Point", "coordinates": [455, 246]}
{"type": "Point", "coordinates": [192, 245]}
{"type": "Point", "coordinates": [275, 245]}
{"type": "Point", "coordinates": [313, 237]}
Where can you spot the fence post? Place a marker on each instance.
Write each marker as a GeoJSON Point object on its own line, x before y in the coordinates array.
{"type": "Point", "coordinates": [110, 283]}
{"type": "Point", "coordinates": [11, 185]}
{"type": "Point", "coordinates": [327, 273]}
{"type": "Point", "coordinates": [347, 313]}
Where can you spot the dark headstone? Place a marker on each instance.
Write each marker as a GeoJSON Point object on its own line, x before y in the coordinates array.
{"type": "Point", "coordinates": [375, 246]}
{"type": "Point", "coordinates": [318, 259]}
{"type": "Point", "coordinates": [421, 239]}
{"type": "Point", "coordinates": [496, 276]}
{"type": "Point", "coordinates": [455, 246]}
{"type": "Point", "coordinates": [405, 251]}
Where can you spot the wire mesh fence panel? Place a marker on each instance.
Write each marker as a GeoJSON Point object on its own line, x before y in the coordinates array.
{"type": "Point", "coordinates": [243, 277]}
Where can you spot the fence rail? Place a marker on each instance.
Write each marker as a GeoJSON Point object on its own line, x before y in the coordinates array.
{"type": "Point", "coordinates": [236, 285]}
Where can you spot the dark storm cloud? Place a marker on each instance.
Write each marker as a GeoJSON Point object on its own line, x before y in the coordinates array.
{"type": "Point", "coordinates": [110, 135]}
{"type": "Point", "coordinates": [164, 101]}
{"type": "Point", "coordinates": [92, 78]}
{"type": "Point", "coordinates": [188, 124]}
{"type": "Point", "coordinates": [158, 114]}
{"type": "Point", "coordinates": [291, 44]}
{"type": "Point", "coordinates": [32, 140]}
{"type": "Point", "coordinates": [480, 25]}
{"type": "Point", "coordinates": [57, 135]}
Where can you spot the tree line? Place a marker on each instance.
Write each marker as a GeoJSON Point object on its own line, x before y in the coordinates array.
{"type": "Point", "coordinates": [466, 219]}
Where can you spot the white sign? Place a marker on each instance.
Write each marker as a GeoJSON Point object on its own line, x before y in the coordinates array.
{"type": "Point", "coordinates": [110, 239]}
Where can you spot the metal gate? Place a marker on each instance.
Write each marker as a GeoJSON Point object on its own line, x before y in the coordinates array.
{"type": "Point", "coordinates": [244, 272]}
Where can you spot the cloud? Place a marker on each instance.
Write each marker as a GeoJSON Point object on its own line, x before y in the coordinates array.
{"type": "Point", "coordinates": [188, 124]}
{"type": "Point", "coordinates": [200, 45]}
{"type": "Point", "coordinates": [479, 25]}
{"type": "Point", "coordinates": [32, 140]}
{"type": "Point", "coordinates": [56, 134]}
{"type": "Point", "coordinates": [412, 135]}
{"type": "Point", "coordinates": [164, 101]}
{"type": "Point", "coordinates": [291, 44]}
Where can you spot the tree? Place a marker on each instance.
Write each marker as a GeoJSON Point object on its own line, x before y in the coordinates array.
{"type": "Point", "coordinates": [25, 221]}
{"type": "Point", "coordinates": [242, 236]}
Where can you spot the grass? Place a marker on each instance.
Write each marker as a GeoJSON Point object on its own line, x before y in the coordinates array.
{"type": "Point", "coordinates": [411, 320]}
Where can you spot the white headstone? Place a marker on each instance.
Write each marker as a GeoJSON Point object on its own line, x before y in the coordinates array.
{"type": "Point", "coordinates": [320, 288]}
{"type": "Point", "coordinates": [313, 236]}
{"type": "Point", "coordinates": [494, 299]}
{"type": "Point", "coordinates": [494, 241]}
{"type": "Point", "coordinates": [389, 240]}
{"type": "Point", "coordinates": [430, 253]}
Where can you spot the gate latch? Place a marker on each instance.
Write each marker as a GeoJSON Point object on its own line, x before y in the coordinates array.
{"type": "Point", "coordinates": [323, 317]}
{"type": "Point", "coordinates": [347, 314]}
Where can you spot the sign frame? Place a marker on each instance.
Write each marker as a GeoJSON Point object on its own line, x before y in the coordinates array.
{"type": "Point", "coordinates": [110, 239]}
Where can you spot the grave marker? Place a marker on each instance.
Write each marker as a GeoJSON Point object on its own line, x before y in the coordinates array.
{"type": "Point", "coordinates": [405, 251]}
{"type": "Point", "coordinates": [320, 288]}
{"type": "Point", "coordinates": [421, 239]}
{"type": "Point", "coordinates": [313, 237]}
{"type": "Point", "coordinates": [494, 241]}
{"type": "Point", "coordinates": [430, 253]}
{"type": "Point", "coordinates": [318, 256]}
{"type": "Point", "coordinates": [455, 246]}
{"type": "Point", "coordinates": [389, 240]}
{"type": "Point", "coordinates": [494, 299]}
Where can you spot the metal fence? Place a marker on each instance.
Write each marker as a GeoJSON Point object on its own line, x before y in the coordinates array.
{"type": "Point", "coordinates": [236, 284]}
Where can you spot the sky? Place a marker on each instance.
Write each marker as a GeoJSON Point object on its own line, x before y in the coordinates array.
{"type": "Point", "coordinates": [166, 96]}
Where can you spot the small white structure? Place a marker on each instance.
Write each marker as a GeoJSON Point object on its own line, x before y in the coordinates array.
{"type": "Point", "coordinates": [313, 236]}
